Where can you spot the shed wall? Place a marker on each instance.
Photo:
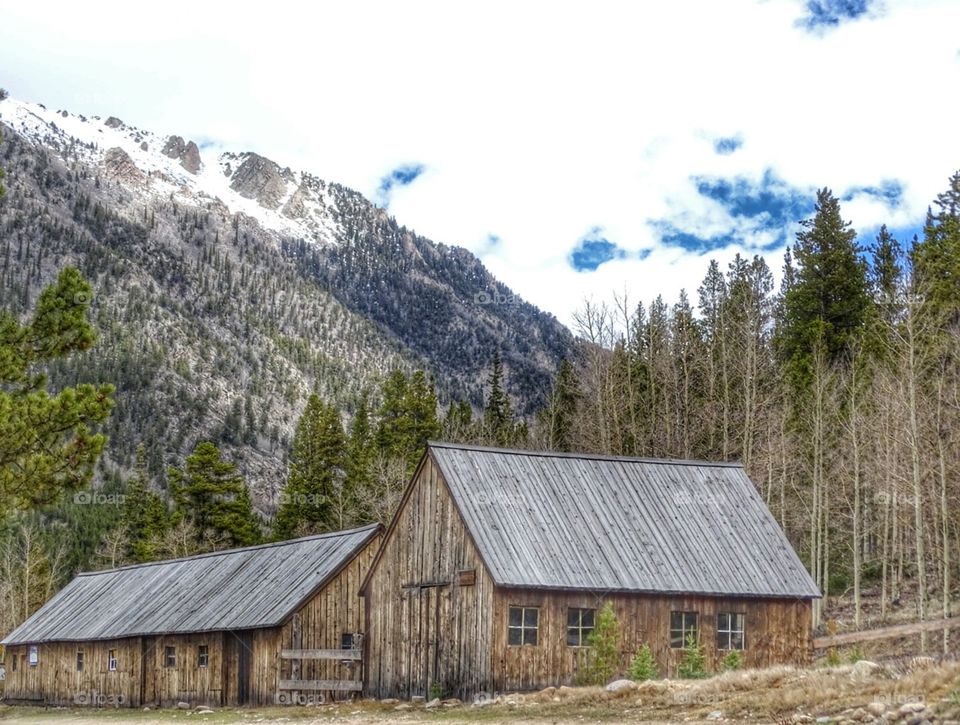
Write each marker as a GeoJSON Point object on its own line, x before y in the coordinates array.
{"type": "Point", "coordinates": [776, 632]}
{"type": "Point", "coordinates": [426, 629]}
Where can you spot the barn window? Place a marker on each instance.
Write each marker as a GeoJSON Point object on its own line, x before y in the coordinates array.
{"type": "Point", "coordinates": [203, 656]}
{"type": "Point", "coordinates": [112, 660]}
{"type": "Point", "coordinates": [33, 655]}
{"type": "Point", "coordinates": [730, 630]}
{"type": "Point", "coordinates": [682, 626]}
{"type": "Point", "coordinates": [13, 662]}
{"type": "Point", "coordinates": [523, 625]}
{"type": "Point", "coordinates": [79, 661]}
{"type": "Point", "coordinates": [580, 623]}
{"type": "Point", "coordinates": [169, 656]}
{"type": "Point", "coordinates": [346, 640]}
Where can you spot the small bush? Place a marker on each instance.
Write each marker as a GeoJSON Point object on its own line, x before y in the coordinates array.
{"type": "Point", "coordinates": [643, 666]}
{"type": "Point", "coordinates": [855, 654]}
{"type": "Point", "coordinates": [603, 657]}
{"type": "Point", "coordinates": [693, 662]}
{"type": "Point", "coordinates": [833, 657]}
{"type": "Point", "coordinates": [436, 691]}
{"type": "Point", "coordinates": [733, 661]}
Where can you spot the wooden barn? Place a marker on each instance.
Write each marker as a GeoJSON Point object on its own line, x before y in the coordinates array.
{"type": "Point", "coordinates": [277, 623]}
{"type": "Point", "coordinates": [492, 573]}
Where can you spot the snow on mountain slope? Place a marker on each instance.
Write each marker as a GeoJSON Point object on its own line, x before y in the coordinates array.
{"type": "Point", "coordinates": [280, 199]}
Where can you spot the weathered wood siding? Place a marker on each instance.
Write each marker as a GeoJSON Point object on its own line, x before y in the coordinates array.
{"type": "Point", "coordinates": [776, 631]}
{"type": "Point", "coordinates": [55, 679]}
{"type": "Point", "coordinates": [424, 625]}
{"type": "Point", "coordinates": [187, 681]}
{"type": "Point", "coordinates": [336, 610]}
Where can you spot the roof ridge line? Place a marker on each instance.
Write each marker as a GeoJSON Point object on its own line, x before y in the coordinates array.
{"type": "Point", "coordinates": [584, 456]}
{"type": "Point", "coordinates": [224, 552]}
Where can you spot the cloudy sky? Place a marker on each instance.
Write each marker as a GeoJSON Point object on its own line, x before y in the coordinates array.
{"type": "Point", "coordinates": [580, 149]}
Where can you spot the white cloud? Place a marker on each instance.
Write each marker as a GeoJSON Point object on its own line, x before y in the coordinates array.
{"type": "Point", "coordinates": [536, 121]}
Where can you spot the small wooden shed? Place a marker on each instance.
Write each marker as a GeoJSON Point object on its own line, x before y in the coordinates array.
{"type": "Point", "coordinates": [274, 624]}
{"type": "Point", "coordinates": [492, 573]}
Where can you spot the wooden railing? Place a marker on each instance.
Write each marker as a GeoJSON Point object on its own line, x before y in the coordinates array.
{"type": "Point", "coordinates": [897, 630]}
{"type": "Point", "coordinates": [348, 656]}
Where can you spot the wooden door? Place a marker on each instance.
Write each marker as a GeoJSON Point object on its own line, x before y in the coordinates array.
{"type": "Point", "coordinates": [148, 671]}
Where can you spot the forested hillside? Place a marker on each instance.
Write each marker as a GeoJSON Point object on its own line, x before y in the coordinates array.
{"type": "Point", "coordinates": [216, 325]}
{"type": "Point", "coordinates": [839, 392]}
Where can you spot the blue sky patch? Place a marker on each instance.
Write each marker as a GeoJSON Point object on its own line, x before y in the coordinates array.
{"type": "Point", "coordinates": [825, 14]}
{"type": "Point", "coordinates": [592, 250]}
{"type": "Point", "coordinates": [403, 175]}
{"type": "Point", "coordinates": [770, 203]}
{"type": "Point", "coordinates": [889, 191]}
{"type": "Point", "coordinates": [727, 145]}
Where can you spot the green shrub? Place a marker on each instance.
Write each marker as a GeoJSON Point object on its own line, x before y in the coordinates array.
{"type": "Point", "coordinates": [643, 666]}
{"type": "Point", "coordinates": [693, 662]}
{"type": "Point", "coordinates": [855, 654]}
{"type": "Point", "coordinates": [733, 661]}
{"type": "Point", "coordinates": [833, 657]}
{"type": "Point", "coordinates": [436, 691]}
{"type": "Point", "coordinates": [603, 657]}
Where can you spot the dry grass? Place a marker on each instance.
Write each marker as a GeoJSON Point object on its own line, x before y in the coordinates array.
{"type": "Point", "coordinates": [769, 695]}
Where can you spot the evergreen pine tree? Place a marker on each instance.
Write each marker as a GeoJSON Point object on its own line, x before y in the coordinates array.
{"type": "Point", "coordinates": [559, 415]}
{"type": "Point", "coordinates": [316, 473]}
{"type": "Point", "coordinates": [144, 514]}
{"type": "Point", "coordinates": [46, 443]}
{"type": "Point", "coordinates": [420, 406]}
{"type": "Point", "coordinates": [360, 454]}
{"type": "Point", "coordinates": [937, 258]}
{"type": "Point", "coordinates": [828, 304]}
{"type": "Point", "coordinates": [497, 416]}
{"type": "Point", "coordinates": [393, 423]}
{"type": "Point", "coordinates": [212, 497]}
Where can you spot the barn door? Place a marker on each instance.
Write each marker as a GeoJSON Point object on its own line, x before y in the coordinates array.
{"type": "Point", "coordinates": [433, 603]}
{"type": "Point", "coordinates": [148, 672]}
{"type": "Point", "coordinates": [244, 657]}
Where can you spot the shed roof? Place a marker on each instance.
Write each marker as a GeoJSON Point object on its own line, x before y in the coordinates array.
{"type": "Point", "coordinates": [601, 523]}
{"type": "Point", "coordinates": [249, 588]}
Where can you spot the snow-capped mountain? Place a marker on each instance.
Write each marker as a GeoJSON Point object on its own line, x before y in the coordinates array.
{"type": "Point", "coordinates": [229, 287]}
{"type": "Point", "coordinates": [290, 202]}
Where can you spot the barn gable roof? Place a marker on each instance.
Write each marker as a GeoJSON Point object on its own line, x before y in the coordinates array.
{"type": "Point", "coordinates": [249, 588]}
{"type": "Point", "coordinates": [601, 523]}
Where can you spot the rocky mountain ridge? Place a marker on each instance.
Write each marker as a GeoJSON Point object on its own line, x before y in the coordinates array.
{"type": "Point", "coordinates": [229, 287]}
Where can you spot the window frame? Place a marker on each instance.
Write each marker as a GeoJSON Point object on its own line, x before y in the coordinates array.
{"type": "Point", "coordinates": [111, 660]}
{"type": "Point", "coordinates": [346, 641]}
{"type": "Point", "coordinates": [524, 628]}
{"type": "Point", "coordinates": [33, 655]}
{"type": "Point", "coordinates": [582, 632]}
{"type": "Point", "coordinates": [729, 631]}
{"type": "Point", "coordinates": [203, 655]}
{"type": "Point", "coordinates": [80, 660]}
{"type": "Point", "coordinates": [13, 662]}
{"type": "Point", "coordinates": [684, 628]}
{"type": "Point", "coordinates": [170, 656]}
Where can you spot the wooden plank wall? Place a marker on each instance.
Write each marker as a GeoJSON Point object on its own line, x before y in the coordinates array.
{"type": "Point", "coordinates": [56, 681]}
{"type": "Point", "coordinates": [186, 682]}
{"type": "Point", "coordinates": [424, 626]}
{"type": "Point", "coordinates": [319, 624]}
{"type": "Point", "coordinates": [776, 631]}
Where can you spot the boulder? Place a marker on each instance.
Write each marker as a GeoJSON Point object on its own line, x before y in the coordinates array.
{"type": "Point", "coordinates": [876, 708]}
{"type": "Point", "coordinates": [715, 715]}
{"type": "Point", "coordinates": [435, 702]}
{"type": "Point", "coordinates": [865, 668]}
{"type": "Point", "coordinates": [390, 701]}
{"type": "Point", "coordinates": [621, 685]}
{"type": "Point", "coordinates": [183, 705]}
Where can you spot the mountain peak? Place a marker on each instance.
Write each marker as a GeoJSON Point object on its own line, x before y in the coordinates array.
{"type": "Point", "coordinates": [186, 153]}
